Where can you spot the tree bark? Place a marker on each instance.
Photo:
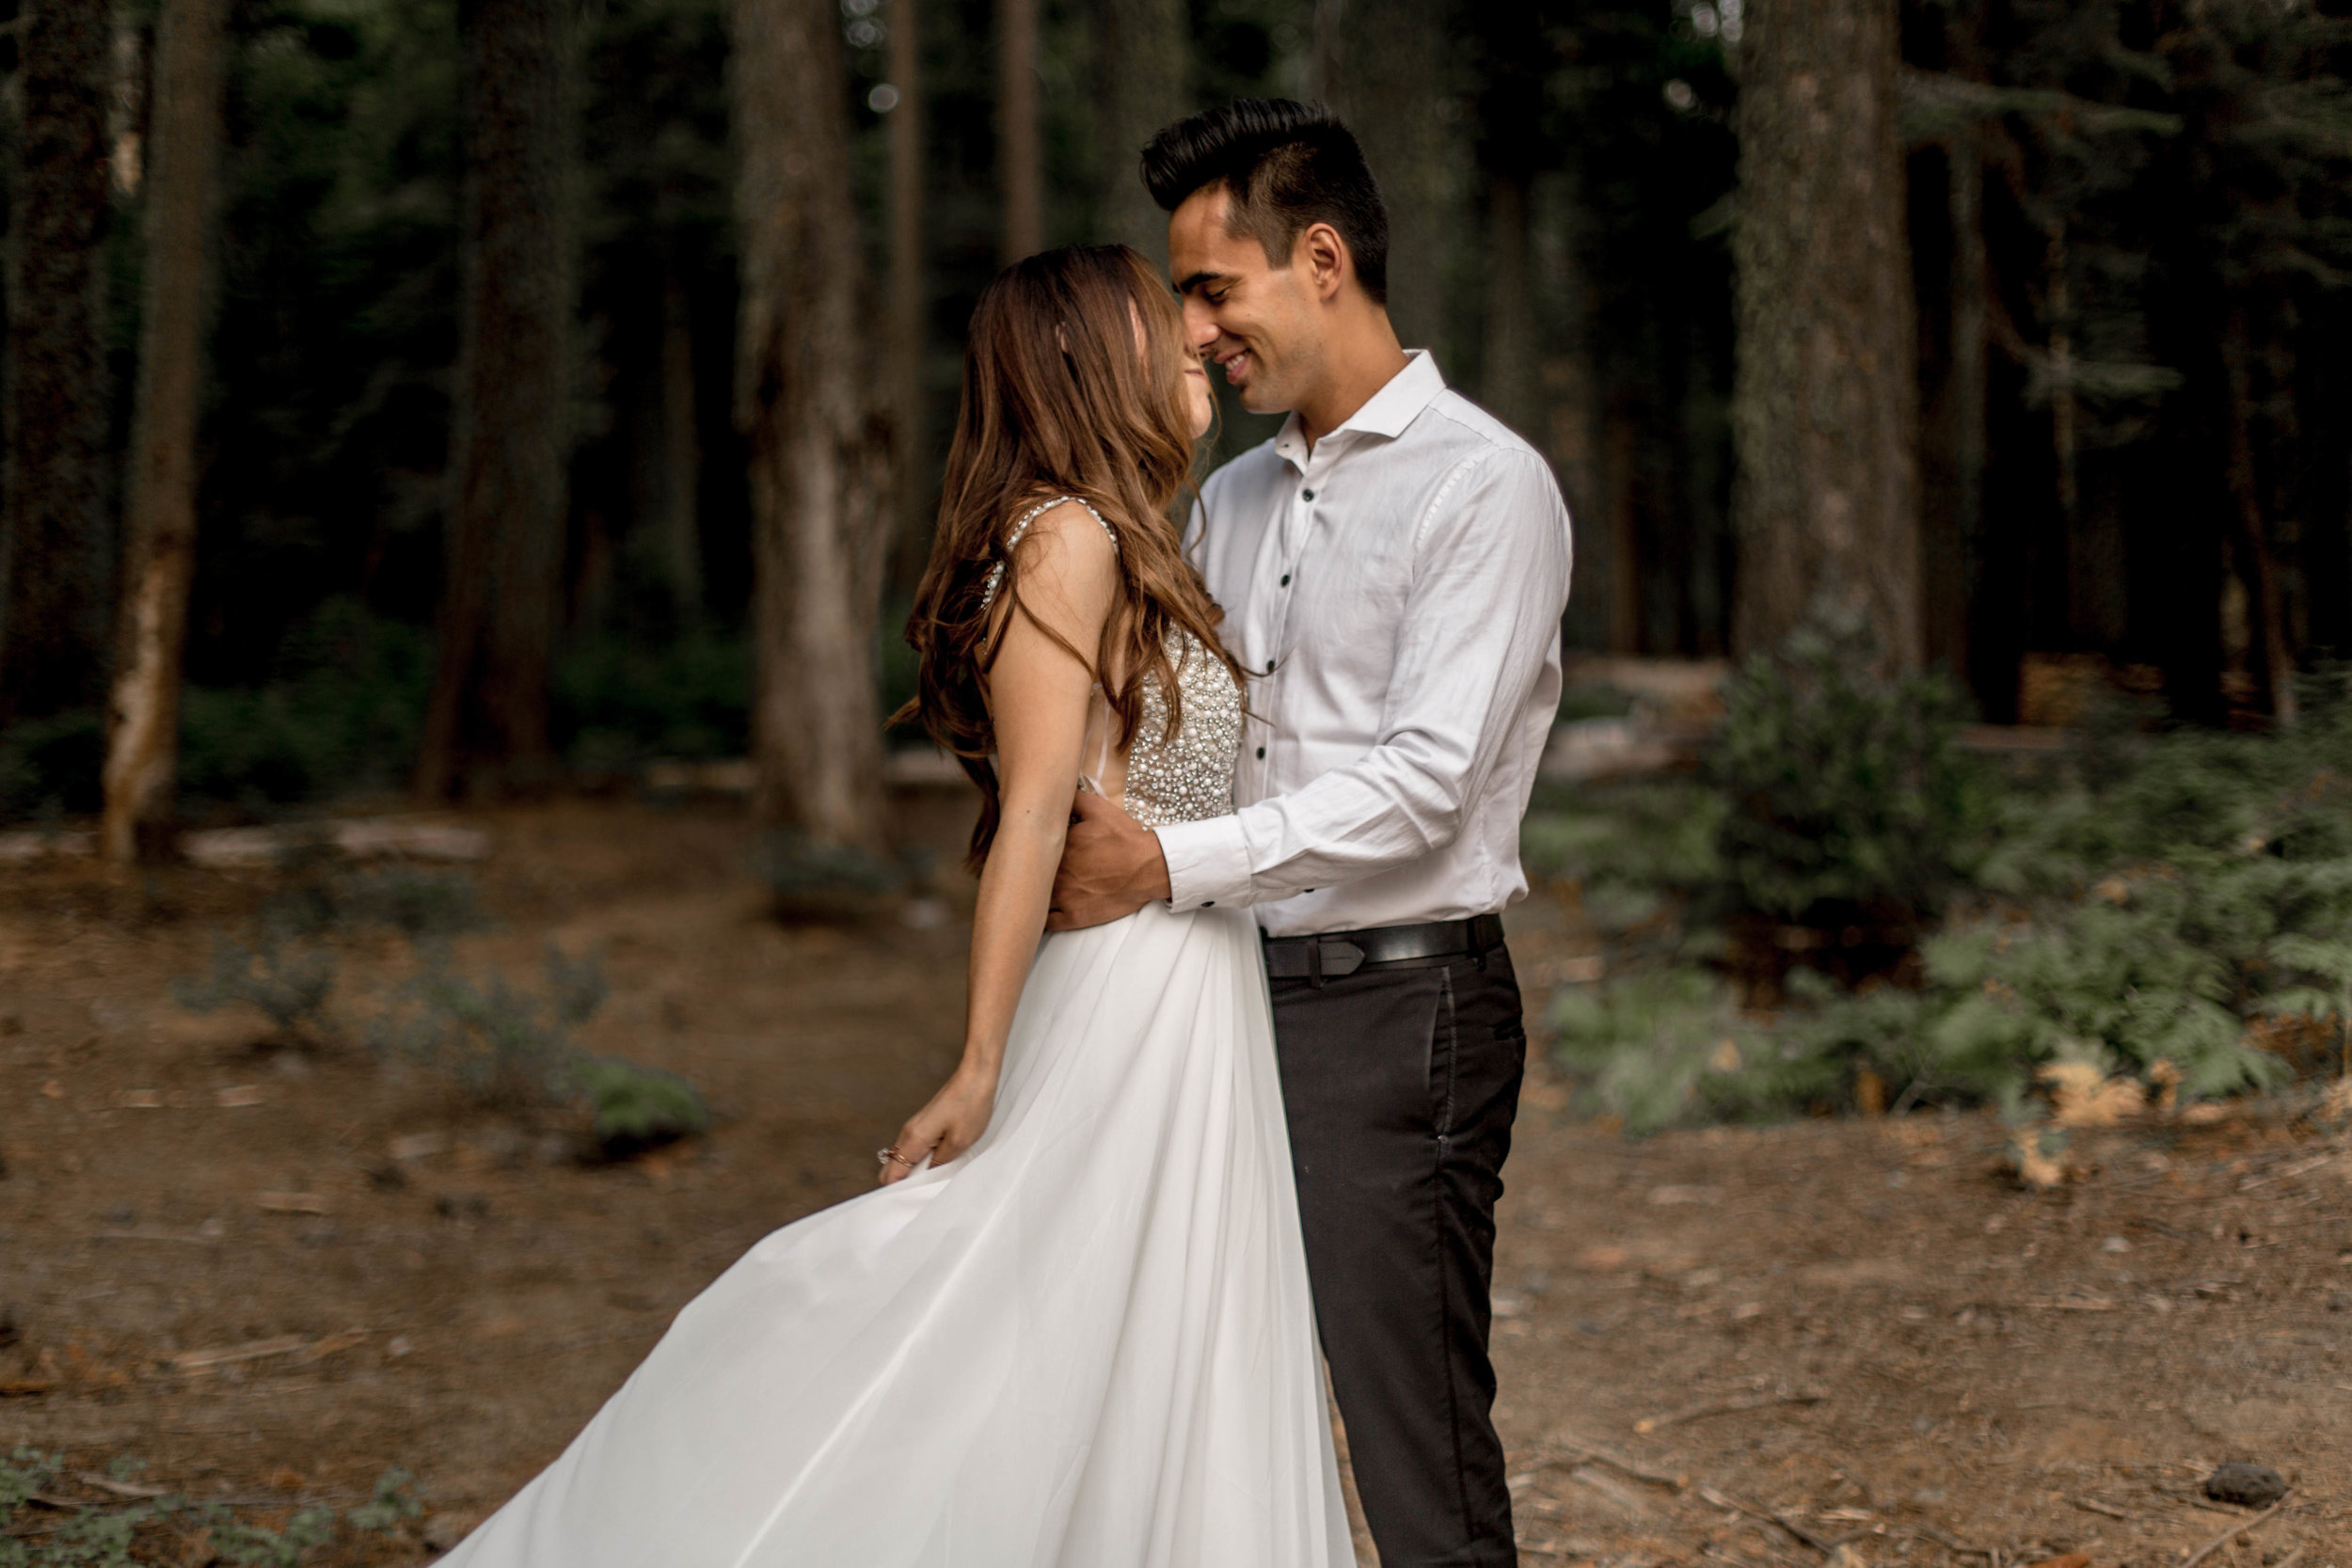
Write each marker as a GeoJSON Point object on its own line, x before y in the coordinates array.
{"type": "Point", "coordinates": [816, 428]}
{"type": "Point", "coordinates": [2256, 562]}
{"type": "Point", "coordinates": [681, 454]}
{"type": "Point", "coordinates": [1143, 48]}
{"type": "Point", "coordinates": [1824, 408]}
{"type": "Point", "coordinates": [143, 719]}
{"type": "Point", "coordinates": [1511, 347]}
{"type": "Point", "coordinates": [909, 316]}
{"type": "Point", "coordinates": [53, 522]}
{"type": "Point", "coordinates": [1018, 156]}
{"type": "Point", "coordinates": [1971, 286]}
{"type": "Point", "coordinates": [486, 724]}
{"type": "Point", "coordinates": [1397, 70]}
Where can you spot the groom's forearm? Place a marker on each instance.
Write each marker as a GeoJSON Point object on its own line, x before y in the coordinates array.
{"type": "Point", "coordinates": [1204, 864]}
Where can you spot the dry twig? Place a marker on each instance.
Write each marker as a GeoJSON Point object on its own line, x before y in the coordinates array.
{"type": "Point", "coordinates": [1725, 1499]}
{"type": "Point", "coordinates": [1759, 1402]}
{"type": "Point", "coordinates": [2248, 1528]}
{"type": "Point", "coordinates": [2092, 1505]}
{"type": "Point", "coordinates": [1581, 1452]}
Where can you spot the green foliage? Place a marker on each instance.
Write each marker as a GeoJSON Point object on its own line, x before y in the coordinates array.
{"type": "Point", "coordinates": [619, 702]}
{"type": "Point", "coordinates": [278, 1548]}
{"type": "Point", "coordinates": [423, 906]}
{"type": "Point", "coordinates": [393, 1501]}
{"type": "Point", "coordinates": [289, 983]}
{"type": "Point", "coordinates": [508, 1049]}
{"type": "Point", "coordinates": [104, 1536]}
{"type": "Point", "coordinates": [342, 713]}
{"type": "Point", "coordinates": [51, 766]}
{"type": "Point", "coordinates": [1643, 1045]}
{"type": "Point", "coordinates": [1841, 789]}
{"type": "Point", "coordinates": [2142, 909]}
{"type": "Point", "coordinates": [800, 870]}
{"type": "Point", "coordinates": [638, 1107]}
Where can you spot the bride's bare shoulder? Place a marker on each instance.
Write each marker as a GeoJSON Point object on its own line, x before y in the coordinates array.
{"type": "Point", "coordinates": [1069, 538]}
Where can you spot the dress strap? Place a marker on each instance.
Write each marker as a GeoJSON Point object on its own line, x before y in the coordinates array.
{"type": "Point", "coordinates": [1020, 527]}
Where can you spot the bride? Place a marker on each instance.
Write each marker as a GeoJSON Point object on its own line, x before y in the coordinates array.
{"type": "Point", "coordinates": [1072, 1327]}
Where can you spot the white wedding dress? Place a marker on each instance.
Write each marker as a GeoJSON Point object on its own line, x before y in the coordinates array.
{"type": "Point", "coordinates": [1086, 1343]}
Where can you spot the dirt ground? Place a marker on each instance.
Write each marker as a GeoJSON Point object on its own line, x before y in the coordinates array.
{"type": "Point", "coordinates": [1847, 1341]}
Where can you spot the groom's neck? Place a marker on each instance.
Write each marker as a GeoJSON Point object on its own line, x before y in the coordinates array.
{"type": "Point", "coordinates": [1360, 355]}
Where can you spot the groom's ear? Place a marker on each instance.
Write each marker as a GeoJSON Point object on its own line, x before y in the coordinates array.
{"type": "Point", "coordinates": [1322, 254]}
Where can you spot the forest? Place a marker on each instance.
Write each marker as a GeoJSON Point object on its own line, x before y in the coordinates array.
{"type": "Point", "coordinates": [413, 396]}
{"type": "Point", "coordinates": [465, 468]}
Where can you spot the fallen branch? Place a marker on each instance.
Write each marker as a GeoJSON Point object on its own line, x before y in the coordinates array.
{"type": "Point", "coordinates": [2092, 1505]}
{"type": "Point", "coordinates": [1990, 1554]}
{"type": "Point", "coordinates": [2298, 1168]}
{"type": "Point", "coordinates": [2248, 1528]}
{"type": "Point", "coordinates": [1729, 1407]}
{"type": "Point", "coordinates": [195, 1360]}
{"type": "Point", "coordinates": [1586, 1453]}
{"type": "Point", "coordinates": [119, 1488]}
{"type": "Point", "coordinates": [1725, 1499]}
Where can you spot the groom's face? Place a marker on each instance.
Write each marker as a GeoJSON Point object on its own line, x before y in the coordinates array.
{"type": "Point", "coordinates": [1253, 320]}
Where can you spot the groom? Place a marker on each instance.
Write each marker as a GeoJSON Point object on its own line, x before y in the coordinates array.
{"type": "Point", "coordinates": [1393, 566]}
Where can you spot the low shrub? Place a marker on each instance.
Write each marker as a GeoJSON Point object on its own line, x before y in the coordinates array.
{"type": "Point", "coordinates": [2172, 909]}
{"type": "Point", "coordinates": [288, 982]}
{"type": "Point", "coordinates": [103, 1535]}
{"type": "Point", "coordinates": [1843, 794]}
{"type": "Point", "coordinates": [638, 1107]}
{"type": "Point", "coordinates": [507, 1049]}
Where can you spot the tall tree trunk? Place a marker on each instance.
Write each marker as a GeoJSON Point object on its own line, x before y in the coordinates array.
{"type": "Point", "coordinates": [1955, 595]}
{"type": "Point", "coordinates": [816, 428]}
{"type": "Point", "coordinates": [909, 315]}
{"type": "Point", "coordinates": [1398, 87]}
{"type": "Point", "coordinates": [143, 719]}
{"type": "Point", "coordinates": [1018, 156]}
{"type": "Point", "coordinates": [1143, 47]}
{"type": "Point", "coordinates": [53, 520]}
{"type": "Point", "coordinates": [486, 723]}
{"type": "Point", "coordinates": [2257, 561]}
{"type": "Point", "coordinates": [681, 453]}
{"type": "Point", "coordinates": [1824, 404]}
{"type": "Point", "coordinates": [1509, 359]}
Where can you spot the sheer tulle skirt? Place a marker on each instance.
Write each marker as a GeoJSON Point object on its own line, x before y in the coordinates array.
{"type": "Point", "coordinates": [1087, 1343]}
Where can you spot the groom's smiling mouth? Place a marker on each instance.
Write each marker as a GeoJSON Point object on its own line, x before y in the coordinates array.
{"type": "Point", "coordinates": [1236, 366]}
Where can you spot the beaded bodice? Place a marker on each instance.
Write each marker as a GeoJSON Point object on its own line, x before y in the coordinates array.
{"type": "Point", "coordinates": [1188, 775]}
{"type": "Point", "coordinates": [1181, 776]}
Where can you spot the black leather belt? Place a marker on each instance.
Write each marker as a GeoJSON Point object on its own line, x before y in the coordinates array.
{"type": "Point", "coordinates": [1336, 952]}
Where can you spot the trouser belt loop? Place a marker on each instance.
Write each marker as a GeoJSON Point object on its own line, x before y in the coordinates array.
{"type": "Point", "coordinates": [1314, 962]}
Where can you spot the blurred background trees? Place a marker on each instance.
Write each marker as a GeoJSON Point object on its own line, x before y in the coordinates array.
{"type": "Point", "coordinates": [536, 360]}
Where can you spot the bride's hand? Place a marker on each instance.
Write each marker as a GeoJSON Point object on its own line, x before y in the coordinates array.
{"type": "Point", "coordinates": [951, 1123]}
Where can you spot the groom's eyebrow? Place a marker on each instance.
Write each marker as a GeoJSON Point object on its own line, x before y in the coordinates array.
{"type": "Point", "coordinates": [1198, 280]}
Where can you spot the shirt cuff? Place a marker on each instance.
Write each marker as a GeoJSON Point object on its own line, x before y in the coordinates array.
{"type": "Point", "coordinates": [1208, 862]}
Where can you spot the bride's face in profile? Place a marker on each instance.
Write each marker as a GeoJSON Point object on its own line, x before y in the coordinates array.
{"type": "Point", "coordinates": [1200, 402]}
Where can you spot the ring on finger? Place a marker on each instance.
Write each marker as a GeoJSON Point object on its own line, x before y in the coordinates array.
{"type": "Point", "coordinates": [891, 1154]}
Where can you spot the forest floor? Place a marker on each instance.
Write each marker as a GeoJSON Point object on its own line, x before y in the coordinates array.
{"type": "Point", "coordinates": [1860, 1326]}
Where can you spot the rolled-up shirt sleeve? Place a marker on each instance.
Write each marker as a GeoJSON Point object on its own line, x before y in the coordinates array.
{"type": "Point", "coordinates": [1480, 620]}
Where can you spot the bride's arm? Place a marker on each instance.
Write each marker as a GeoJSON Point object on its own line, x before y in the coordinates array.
{"type": "Point", "coordinates": [1038, 699]}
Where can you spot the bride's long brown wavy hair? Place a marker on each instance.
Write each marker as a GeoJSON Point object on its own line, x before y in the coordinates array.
{"type": "Point", "coordinates": [1058, 401]}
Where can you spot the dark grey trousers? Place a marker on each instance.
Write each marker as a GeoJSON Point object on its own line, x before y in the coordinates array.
{"type": "Point", "coordinates": [1400, 1085]}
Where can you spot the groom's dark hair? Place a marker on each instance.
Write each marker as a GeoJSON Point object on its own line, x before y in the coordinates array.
{"type": "Point", "coordinates": [1288, 166]}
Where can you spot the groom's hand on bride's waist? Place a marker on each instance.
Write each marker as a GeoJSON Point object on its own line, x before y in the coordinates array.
{"type": "Point", "coordinates": [1111, 866]}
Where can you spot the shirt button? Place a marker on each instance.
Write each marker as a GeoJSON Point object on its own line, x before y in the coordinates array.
{"type": "Point", "coordinates": [1286, 579]}
{"type": "Point", "coordinates": [1269, 666]}
{"type": "Point", "coordinates": [1262, 753]}
{"type": "Point", "coordinates": [1208, 903]}
{"type": "Point", "coordinates": [1306, 495]}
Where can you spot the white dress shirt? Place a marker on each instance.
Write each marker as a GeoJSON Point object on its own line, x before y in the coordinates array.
{"type": "Point", "coordinates": [1395, 596]}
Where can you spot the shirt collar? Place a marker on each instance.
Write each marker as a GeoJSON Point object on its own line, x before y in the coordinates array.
{"type": "Point", "coordinates": [1386, 412]}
